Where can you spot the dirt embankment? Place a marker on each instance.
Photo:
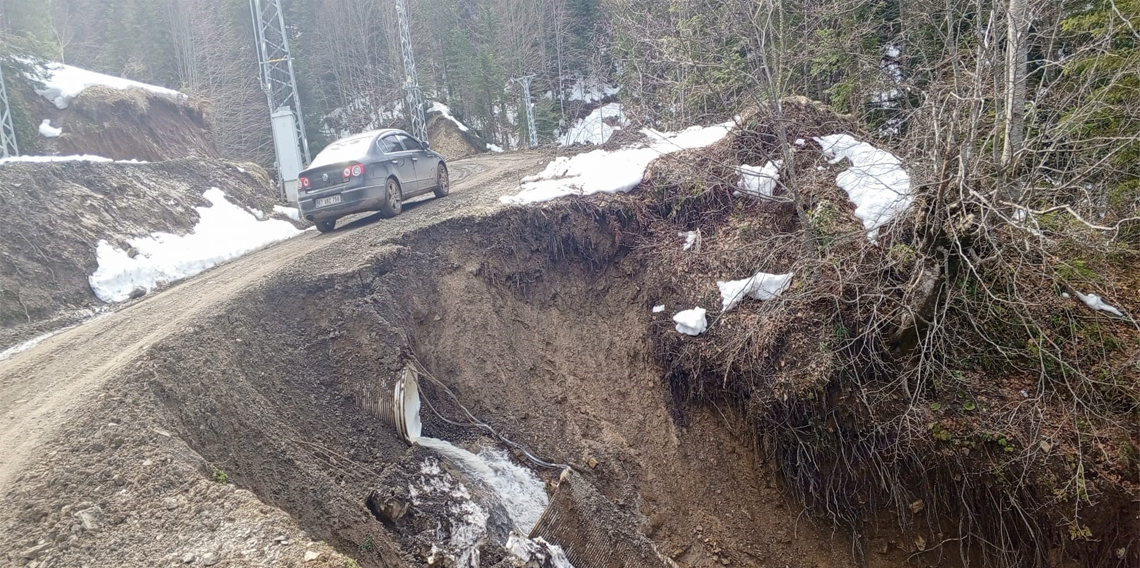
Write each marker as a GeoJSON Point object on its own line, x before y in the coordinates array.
{"type": "Point", "coordinates": [128, 124]}
{"type": "Point", "coordinates": [56, 213]}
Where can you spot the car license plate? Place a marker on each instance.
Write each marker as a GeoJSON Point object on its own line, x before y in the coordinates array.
{"type": "Point", "coordinates": [328, 200]}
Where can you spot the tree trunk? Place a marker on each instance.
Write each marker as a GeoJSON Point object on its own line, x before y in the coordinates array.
{"type": "Point", "coordinates": [1017, 30]}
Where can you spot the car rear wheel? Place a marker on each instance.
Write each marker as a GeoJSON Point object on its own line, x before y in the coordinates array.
{"type": "Point", "coordinates": [393, 201]}
{"type": "Point", "coordinates": [442, 182]}
{"type": "Point", "coordinates": [326, 225]}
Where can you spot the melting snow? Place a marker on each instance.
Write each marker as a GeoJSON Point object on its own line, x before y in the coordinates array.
{"type": "Point", "coordinates": [876, 182]}
{"type": "Point", "coordinates": [468, 521]}
{"type": "Point", "coordinates": [62, 83]}
{"type": "Point", "coordinates": [49, 131]}
{"type": "Point", "coordinates": [761, 286]}
{"type": "Point", "coordinates": [591, 90]}
{"type": "Point", "coordinates": [759, 182]}
{"type": "Point", "coordinates": [1096, 303]}
{"type": "Point", "coordinates": [603, 171]}
{"type": "Point", "coordinates": [495, 148]}
{"type": "Point", "coordinates": [691, 322]}
{"type": "Point", "coordinates": [224, 231]}
{"type": "Point", "coordinates": [593, 129]}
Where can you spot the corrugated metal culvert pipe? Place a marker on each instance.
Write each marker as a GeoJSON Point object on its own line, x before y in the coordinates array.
{"type": "Point", "coordinates": [396, 401]}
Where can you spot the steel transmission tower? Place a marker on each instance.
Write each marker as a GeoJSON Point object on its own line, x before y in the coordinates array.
{"type": "Point", "coordinates": [8, 145]}
{"type": "Point", "coordinates": [525, 82]}
{"type": "Point", "coordinates": [276, 63]}
{"type": "Point", "coordinates": [411, 80]}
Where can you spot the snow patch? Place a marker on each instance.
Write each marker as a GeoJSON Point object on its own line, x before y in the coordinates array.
{"type": "Point", "coordinates": [290, 212]}
{"type": "Point", "coordinates": [691, 238]}
{"type": "Point", "coordinates": [49, 131]}
{"type": "Point", "coordinates": [446, 112]}
{"type": "Point", "coordinates": [761, 286]}
{"type": "Point", "coordinates": [53, 159]}
{"type": "Point", "coordinates": [466, 530]}
{"type": "Point", "coordinates": [591, 90]}
{"type": "Point", "coordinates": [658, 309]}
{"type": "Point", "coordinates": [759, 182]}
{"type": "Point", "coordinates": [1095, 302]}
{"type": "Point", "coordinates": [691, 322]}
{"type": "Point", "coordinates": [9, 352]}
{"type": "Point", "coordinates": [495, 148]}
{"type": "Point", "coordinates": [224, 231]}
{"type": "Point", "coordinates": [62, 83]}
{"type": "Point", "coordinates": [602, 171]}
{"type": "Point", "coordinates": [593, 129]}
{"type": "Point", "coordinates": [876, 182]}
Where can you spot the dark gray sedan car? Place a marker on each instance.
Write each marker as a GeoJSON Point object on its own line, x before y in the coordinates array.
{"type": "Point", "coordinates": [374, 171]}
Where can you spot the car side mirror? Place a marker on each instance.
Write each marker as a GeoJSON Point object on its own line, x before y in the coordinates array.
{"type": "Point", "coordinates": [425, 145]}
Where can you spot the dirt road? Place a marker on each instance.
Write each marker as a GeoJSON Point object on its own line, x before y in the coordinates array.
{"type": "Point", "coordinates": [44, 387]}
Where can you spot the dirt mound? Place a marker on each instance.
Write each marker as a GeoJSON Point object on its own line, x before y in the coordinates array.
{"type": "Point", "coordinates": [450, 140]}
{"type": "Point", "coordinates": [129, 124]}
{"type": "Point", "coordinates": [56, 213]}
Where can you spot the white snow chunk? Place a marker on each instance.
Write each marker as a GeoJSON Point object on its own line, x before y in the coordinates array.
{"type": "Point", "coordinates": [761, 286]}
{"type": "Point", "coordinates": [54, 159]}
{"type": "Point", "coordinates": [691, 238]}
{"type": "Point", "coordinates": [876, 182]}
{"type": "Point", "coordinates": [495, 148]}
{"type": "Point", "coordinates": [536, 553]}
{"type": "Point", "coordinates": [602, 171]}
{"type": "Point", "coordinates": [446, 112]}
{"type": "Point", "coordinates": [593, 129]}
{"type": "Point", "coordinates": [691, 322]}
{"type": "Point", "coordinates": [290, 212]}
{"type": "Point", "coordinates": [590, 90]}
{"type": "Point", "coordinates": [62, 83]}
{"type": "Point", "coordinates": [224, 231]}
{"type": "Point", "coordinates": [759, 182]}
{"type": "Point", "coordinates": [49, 131]}
{"type": "Point", "coordinates": [799, 142]}
{"type": "Point", "coordinates": [1096, 303]}
{"type": "Point", "coordinates": [658, 309]}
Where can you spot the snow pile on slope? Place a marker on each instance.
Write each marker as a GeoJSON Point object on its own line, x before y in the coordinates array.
{"type": "Point", "coordinates": [537, 553]}
{"type": "Point", "coordinates": [876, 182]}
{"type": "Point", "coordinates": [49, 131]}
{"type": "Point", "coordinates": [761, 286]}
{"type": "Point", "coordinates": [495, 148]}
{"type": "Point", "coordinates": [62, 83]}
{"type": "Point", "coordinates": [224, 231]}
{"type": "Point", "coordinates": [594, 129]}
{"type": "Point", "coordinates": [603, 171]}
{"type": "Point", "coordinates": [47, 159]}
{"type": "Point", "coordinates": [759, 182]}
{"type": "Point", "coordinates": [446, 112]}
{"type": "Point", "coordinates": [1095, 302]}
{"type": "Point", "coordinates": [691, 322]}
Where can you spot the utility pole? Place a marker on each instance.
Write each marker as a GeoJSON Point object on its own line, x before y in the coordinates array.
{"type": "Point", "coordinates": [411, 80]}
{"type": "Point", "coordinates": [525, 82]}
{"type": "Point", "coordinates": [280, 85]}
{"type": "Point", "coordinates": [8, 145]}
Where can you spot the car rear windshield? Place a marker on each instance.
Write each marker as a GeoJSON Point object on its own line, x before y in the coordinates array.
{"type": "Point", "coordinates": [348, 149]}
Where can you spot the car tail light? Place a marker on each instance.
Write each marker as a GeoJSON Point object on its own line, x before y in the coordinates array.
{"type": "Point", "coordinates": [357, 170]}
{"type": "Point", "coordinates": [346, 173]}
{"type": "Point", "coordinates": [303, 182]}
